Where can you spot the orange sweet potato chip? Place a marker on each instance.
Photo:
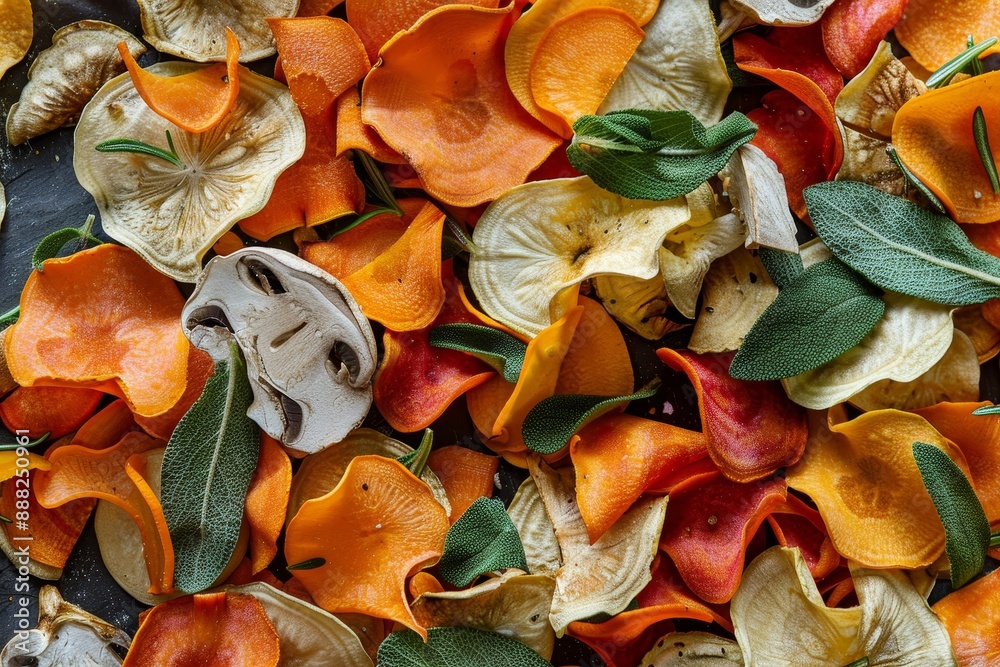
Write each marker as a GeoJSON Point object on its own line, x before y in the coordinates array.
{"type": "Point", "coordinates": [465, 474]}
{"type": "Point", "coordinates": [619, 457]}
{"type": "Point", "coordinates": [933, 32]}
{"type": "Point", "coordinates": [200, 368]}
{"type": "Point", "coordinates": [195, 101]}
{"type": "Point", "coordinates": [796, 525]}
{"type": "Point", "coordinates": [57, 411]}
{"type": "Point", "coordinates": [104, 319]}
{"type": "Point", "coordinates": [440, 98]}
{"type": "Point", "coordinates": [15, 16]}
{"type": "Point", "coordinates": [416, 382]}
{"type": "Point", "coordinates": [710, 521]}
{"type": "Point", "coordinates": [218, 629]}
{"type": "Point", "coordinates": [752, 428]}
{"type": "Point", "coordinates": [267, 499]}
{"type": "Point", "coordinates": [353, 134]}
{"type": "Point", "coordinates": [388, 527]}
{"type": "Point", "coordinates": [972, 617]}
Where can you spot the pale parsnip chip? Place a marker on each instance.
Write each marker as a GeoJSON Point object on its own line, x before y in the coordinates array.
{"type": "Point", "coordinates": [309, 636]}
{"type": "Point", "coordinates": [733, 19]}
{"type": "Point", "coordinates": [192, 29]}
{"type": "Point", "coordinates": [678, 65]}
{"type": "Point", "coordinates": [16, 30]}
{"type": "Point", "coordinates": [784, 12]}
{"type": "Point", "coordinates": [321, 472]}
{"type": "Point", "coordinates": [640, 304]}
{"type": "Point", "coordinates": [866, 160]}
{"type": "Point", "coordinates": [909, 339]}
{"type": "Point", "coordinates": [869, 102]}
{"type": "Point", "coordinates": [65, 635]}
{"type": "Point", "coordinates": [599, 578]}
{"type": "Point", "coordinates": [984, 336]}
{"type": "Point", "coordinates": [538, 535]}
{"type": "Point", "coordinates": [542, 237]}
{"type": "Point", "coordinates": [954, 378]}
{"type": "Point", "coordinates": [63, 78]}
{"type": "Point", "coordinates": [737, 290]}
{"type": "Point", "coordinates": [515, 605]}
{"type": "Point", "coordinates": [757, 190]}
{"type": "Point", "coordinates": [700, 649]}
{"type": "Point", "coordinates": [688, 252]}
{"type": "Point", "coordinates": [780, 619]}
{"type": "Point", "coordinates": [171, 215]}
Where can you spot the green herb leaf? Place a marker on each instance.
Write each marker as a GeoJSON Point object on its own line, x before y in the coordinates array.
{"type": "Point", "coordinates": [987, 410]}
{"type": "Point", "coordinates": [553, 421]}
{"type": "Point", "coordinates": [10, 317]}
{"type": "Point", "coordinates": [944, 74]}
{"type": "Point", "coordinates": [497, 348]}
{"type": "Point", "coordinates": [141, 147]}
{"type": "Point", "coordinates": [982, 138]}
{"type": "Point", "coordinates": [860, 662]}
{"type": "Point", "coordinates": [310, 564]}
{"type": "Point", "coordinates": [900, 246]}
{"type": "Point", "coordinates": [911, 179]}
{"type": "Point", "coordinates": [364, 217]}
{"type": "Point", "coordinates": [484, 539]}
{"type": "Point", "coordinates": [7, 447]}
{"type": "Point", "coordinates": [378, 188]}
{"type": "Point", "coordinates": [824, 312]}
{"type": "Point", "coordinates": [966, 529]}
{"type": "Point", "coordinates": [53, 244]}
{"type": "Point", "coordinates": [646, 154]}
{"type": "Point", "coordinates": [206, 473]}
{"type": "Point", "coordinates": [416, 460]}
{"type": "Point", "coordinates": [783, 267]}
{"type": "Point", "coordinates": [6, 519]}
{"type": "Point", "coordinates": [455, 240]}
{"type": "Point", "coordinates": [975, 66]}
{"type": "Point", "coordinates": [455, 647]}
{"type": "Point", "coordinates": [740, 78]}
{"type": "Point", "coordinates": [995, 539]}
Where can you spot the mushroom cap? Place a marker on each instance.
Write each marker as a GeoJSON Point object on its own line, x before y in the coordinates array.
{"type": "Point", "coordinates": [171, 216]}
{"type": "Point", "coordinates": [191, 28]}
{"type": "Point", "coordinates": [310, 352]}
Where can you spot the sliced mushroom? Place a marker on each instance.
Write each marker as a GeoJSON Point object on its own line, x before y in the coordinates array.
{"type": "Point", "coordinates": [310, 352]}
{"type": "Point", "coordinates": [172, 214]}
{"type": "Point", "coordinates": [63, 78]}
{"type": "Point", "coordinates": [191, 28]}
{"type": "Point", "coordinates": [66, 635]}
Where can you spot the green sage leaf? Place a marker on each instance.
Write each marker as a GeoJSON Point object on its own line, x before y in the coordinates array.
{"type": "Point", "coordinates": [657, 155]}
{"type": "Point", "coordinates": [455, 647]}
{"type": "Point", "coordinates": [484, 539]}
{"type": "Point", "coordinates": [783, 267]}
{"type": "Point", "coordinates": [966, 529]}
{"type": "Point", "coordinates": [497, 348]}
{"type": "Point", "coordinates": [53, 244]}
{"type": "Point", "coordinates": [900, 246]}
{"type": "Point", "coordinates": [549, 425]}
{"type": "Point", "coordinates": [206, 473]}
{"type": "Point", "coordinates": [824, 312]}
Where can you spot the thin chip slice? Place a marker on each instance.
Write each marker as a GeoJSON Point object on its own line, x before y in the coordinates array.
{"type": "Point", "coordinates": [757, 191]}
{"type": "Point", "coordinates": [678, 65]}
{"type": "Point", "coordinates": [538, 536]}
{"type": "Point", "coordinates": [18, 29]}
{"type": "Point", "coordinates": [460, 128]}
{"type": "Point", "coordinates": [972, 618]}
{"type": "Point", "coordinates": [641, 304]}
{"type": "Point", "coordinates": [64, 77]}
{"type": "Point", "coordinates": [465, 474]}
{"type": "Point", "coordinates": [933, 32]}
{"type": "Point", "coordinates": [196, 101]}
{"type": "Point", "coordinates": [190, 28]}
{"type": "Point", "coordinates": [388, 526]}
{"type": "Point", "coordinates": [681, 649]}
{"type": "Point", "coordinates": [599, 578]}
{"type": "Point", "coordinates": [171, 215]}
{"type": "Point", "coordinates": [852, 31]}
{"type": "Point", "coordinates": [911, 337]}
{"type": "Point", "coordinates": [267, 500]}
{"type": "Point", "coordinates": [783, 12]}
{"type": "Point", "coordinates": [542, 237]}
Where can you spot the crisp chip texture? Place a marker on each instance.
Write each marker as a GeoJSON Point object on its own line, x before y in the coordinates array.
{"type": "Point", "coordinates": [783, 12]}
{"type": "Point", "coordinates": [172, 216]}
{"type": "Point", "coordinates": [16, 31]}
{"type": "Point", "coordinates": [972, 617]}
{"type": "Point", "coordinates": [190, 28]}
{"type": "Point", "coordinates": [64, 77]}
{"type": "Point", "coordinates": [102, 318]}
{"type": "Point", "coordinates": [934, 32]}
{"type": "Point", "coordinates": [540, 238]}
{"type": "Point", "coordinates": [441, 99]}
{"type": "Point", "coordinates": [378, 509]}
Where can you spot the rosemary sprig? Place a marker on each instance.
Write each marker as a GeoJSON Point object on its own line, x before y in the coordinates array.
{"type": "Point", "coordinates": [982, 138]}
{"type": "Point", "coordinates": [987, 410]}
{"type": "Point", "coordinates": [363, 218]}
{"type": "Point", "coordinates": [135, 146]}
{"type": "Point", "coordinates": [975, 67]}
{"type": "Point", "coordinates": [10, 317]}
{"type": "Point", "coordinates": [910, 177]}
{"type": "Point", "coordinates": [310, 564]}
{"type": "Point", "coordinates": [947, 72]}
{"type": "Point", "coordinates": [377, 185]}
{"type": "Point", "coordinates": [6, 447]}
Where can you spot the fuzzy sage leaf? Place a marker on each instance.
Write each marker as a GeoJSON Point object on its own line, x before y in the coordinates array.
{"type": "Point", "coordinates": [783, 267]}
{"type": "Point", "coordinates": [497, 348]}
{"type": "Point", "coordinates": [822, 313]}
{"type": "Point", "coordinates": [484, 539]}
{"type": "Point", "coordinates": [658, 155]}
{"type": "Point", "coordinates": [53, 244]}
{"type": "Point", "coordinates": [966, 529]}
{"type": "Point", "coordinates": [455, 647]}
{"type": "Point", "coordinates": [552, 422]}
{"type": "Point", "coordinates": [206, 473]}
{"type": "Point", "coordinates": [900, 246]}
